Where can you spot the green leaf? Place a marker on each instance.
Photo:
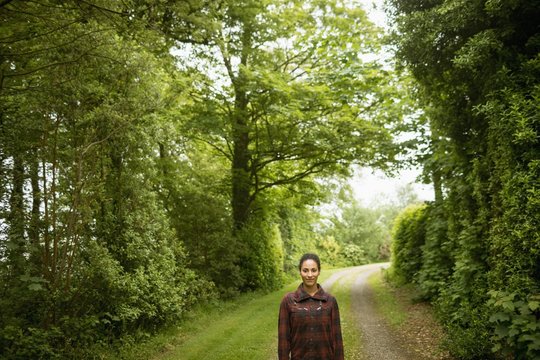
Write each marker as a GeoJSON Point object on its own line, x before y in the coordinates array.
{"type": "Point", "coordinates": [501, 331]}
{"type": "Point", "coordinates": [508, 305]}
{"type": "Point", "coordinates": [513, 332]}
{"type": "Point", "coordinates": [499, 317]}
{"type": "Point", "coordinates": [35, 287]}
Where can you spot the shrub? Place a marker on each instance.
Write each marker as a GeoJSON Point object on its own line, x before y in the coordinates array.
{"type": "Point", "coordinates": [517, 323]}
{"type": "Point", "coordinates": [408, 237]}
{"type": "Point", "coordinates": [261, 261]}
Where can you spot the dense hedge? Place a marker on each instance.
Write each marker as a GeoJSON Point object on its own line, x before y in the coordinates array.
{"type": "Point", "coordinates": [409, 235]}
{"type": "Point", "coordinates": [477, 66]}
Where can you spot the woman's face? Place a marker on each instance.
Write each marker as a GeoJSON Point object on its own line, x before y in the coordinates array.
{"type": "Point", "coordinates": [309, 271]}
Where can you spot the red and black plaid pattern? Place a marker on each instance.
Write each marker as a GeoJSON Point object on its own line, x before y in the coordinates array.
{"type": "Point", "coordinates": [309, 327]}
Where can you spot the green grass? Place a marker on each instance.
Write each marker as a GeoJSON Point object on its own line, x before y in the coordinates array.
{"type": "Point", "coordinates": [349, 328]}
{"type": "Point", "coordinates": [243, 329]}
{"type": "Point", "coordinates": [387, 304]}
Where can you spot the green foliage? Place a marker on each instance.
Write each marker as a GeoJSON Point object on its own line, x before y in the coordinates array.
{"type": "Point", "coordinates": [262, 256]}
{"type": "Point", "coordinates": [361, 228]}
{"type": "Point", "coordinates": [354, 254]}
{"type": "Point", "coordinates": [408, 238]}
{"type": "Point", "coordinates": [296, 225]}
{"type": "Point", "coordinates": [30, 343]}
{"type": "Point", "coordinates": [329, 248]}
{"type": "Point", "coordinates": [295, 100]}
{"type": "Point", "coordinates": [355, 234]}
{"type": "Point", "coordinates": [517, 324]}
{"type": "Point", "coordinates": [437, 262]}
{"type": "Point", "coordinates": [462, 307]}
{"type": "Point", "coordinates": [134, 185]}
{"type": "Point", "coordinates": [91, 256]}
{"type": "Point", "coordinates": [193, 190]}
{"type": "Point", "coordinates": [477, 68]}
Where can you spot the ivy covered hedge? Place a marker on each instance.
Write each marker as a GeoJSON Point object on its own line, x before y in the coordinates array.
{"type": "Point", "coordinates": [477, 69]}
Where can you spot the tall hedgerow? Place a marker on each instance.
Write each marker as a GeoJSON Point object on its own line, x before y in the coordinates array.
{"type": "Point", "coordinates": [408, 238]}
{"type": "Point", "coordinates": [477, 66]}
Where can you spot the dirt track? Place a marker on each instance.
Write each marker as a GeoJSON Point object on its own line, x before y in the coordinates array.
{"type": "Point", "coordinates": [379, 341]}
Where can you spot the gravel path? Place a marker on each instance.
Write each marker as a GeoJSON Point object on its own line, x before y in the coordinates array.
{"type": "Point", "coordinates": [379, 342]}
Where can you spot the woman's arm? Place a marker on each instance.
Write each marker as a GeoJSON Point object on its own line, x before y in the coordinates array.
{"type": "Point", "coordinates": [284, 331]}
{"type": "Point", "coordinates": [336, 332]}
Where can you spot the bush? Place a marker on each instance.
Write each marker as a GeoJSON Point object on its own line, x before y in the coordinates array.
{"type": "Point", "coordinates": [517, 324]}
{"type": "Point", "coordinates": [437, 260]}
{"type": "Point", "coordinates": [409, 235]}
{"type": "Point", "coordinates": [261, 262]}
{"type": "Point", "coordinates": [354, 254]}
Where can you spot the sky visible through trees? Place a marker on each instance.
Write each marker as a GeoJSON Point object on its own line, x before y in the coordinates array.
{"type": "Point", "coordinates": [137, 182]}
{"type": "Point", "coordinates": [373, 187]}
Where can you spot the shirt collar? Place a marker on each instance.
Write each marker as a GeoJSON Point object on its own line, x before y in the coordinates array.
{"type": "Point", "coordinates": [302, 295]}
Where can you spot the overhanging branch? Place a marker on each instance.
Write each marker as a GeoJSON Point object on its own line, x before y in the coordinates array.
{"type": "Point", "coordinates": [313, 169]}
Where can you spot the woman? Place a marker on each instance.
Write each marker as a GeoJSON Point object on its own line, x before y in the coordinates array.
{"type": "Point", "coordinates": [309, 325]}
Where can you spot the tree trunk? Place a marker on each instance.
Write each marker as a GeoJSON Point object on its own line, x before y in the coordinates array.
{"type": "Point", "coordinates": [437, 186]}
{"type": "Point", "coordinates": [16, 217]}
{"type": "Point", "coordinates": [33, 230]}
{"type": "Point", "coordinates": [435, 172]}
{"type": "Point", "coordinates": [241, 184]}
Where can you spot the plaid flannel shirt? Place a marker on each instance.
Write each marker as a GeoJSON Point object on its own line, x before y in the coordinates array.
{"type": "Point", "coordinates": [309, 327]}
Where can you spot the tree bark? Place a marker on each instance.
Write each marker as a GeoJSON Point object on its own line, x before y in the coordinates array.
{"type": "Point", "coordinates": [16, 216]}
{"type": "Point", "coordinates": [435, 172]}
{"type": "Point", "coordinates": [241, 181]}
{"type": "Point", "coordinates": [33, 230]}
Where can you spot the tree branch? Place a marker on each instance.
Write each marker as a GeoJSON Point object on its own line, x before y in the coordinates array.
{"type": "Point", "coordinates": [215, 147]}
{"type": "Point", "coordinates": [103, 9]}
{"type": "Point", "coordinates": [40, 68]}
{"type": "Point", "coordinates": [313, 169]}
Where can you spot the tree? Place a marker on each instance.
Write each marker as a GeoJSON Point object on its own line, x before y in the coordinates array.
{"type": "Point", "coordinates": [293, 97]}
{"type": "Point", "coordinates": [285, 96]}
{"type": "Point", "coordinates": [87, 251]}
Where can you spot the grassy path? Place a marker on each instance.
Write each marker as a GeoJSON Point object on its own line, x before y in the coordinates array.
{"type": "Point", "coordinates": [351, 334]}
{"type": "Point", "coordinates": [246, 329]}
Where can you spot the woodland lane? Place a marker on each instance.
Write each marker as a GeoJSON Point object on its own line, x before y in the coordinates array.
{"type": "Point", "coordinates": [246, 329]}
{"type": "Point", "coordinates": [379, 341]}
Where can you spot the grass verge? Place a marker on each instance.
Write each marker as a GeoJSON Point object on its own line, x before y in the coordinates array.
{"type": "Point", "coordinates": [242, 329]}
{"type": "Point", "coordinates": [387, 303]}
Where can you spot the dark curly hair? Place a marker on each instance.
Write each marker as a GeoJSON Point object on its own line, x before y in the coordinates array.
{"type": "Point", "coordinates": [309, 256]}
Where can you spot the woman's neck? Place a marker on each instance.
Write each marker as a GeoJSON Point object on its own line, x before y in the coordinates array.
{"type": "Point", "coordinates": [311, 290]}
